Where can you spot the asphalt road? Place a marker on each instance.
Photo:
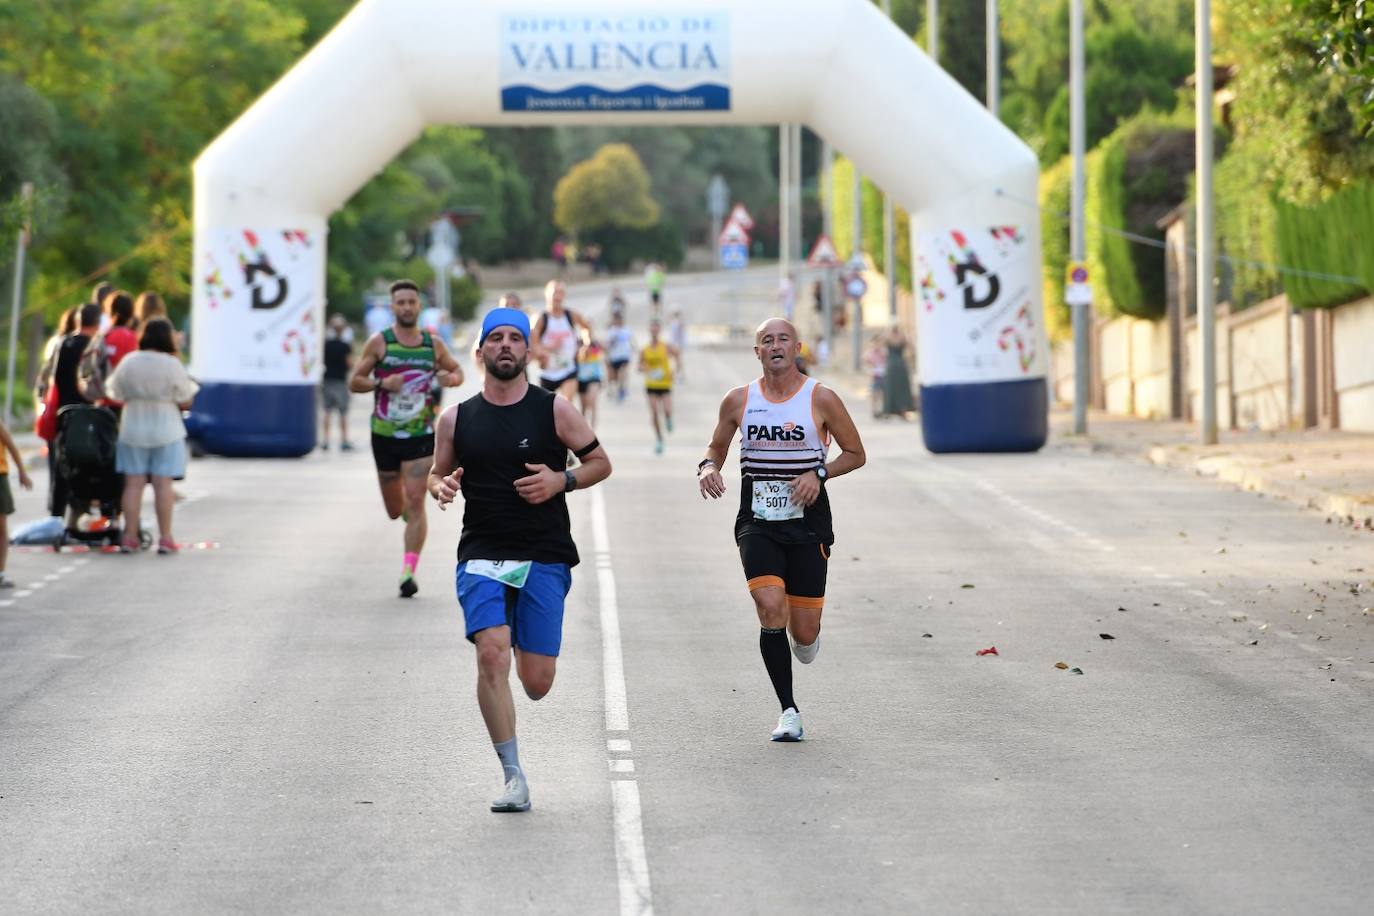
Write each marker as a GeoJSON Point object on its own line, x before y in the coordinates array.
{"type": "Point", "coordinates": [261, 726]}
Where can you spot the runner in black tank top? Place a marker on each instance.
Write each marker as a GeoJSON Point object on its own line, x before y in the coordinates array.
{"type": "Point", "coordinates": [506, 451]}
{"type": "Point", "coordinates": [783, 528]}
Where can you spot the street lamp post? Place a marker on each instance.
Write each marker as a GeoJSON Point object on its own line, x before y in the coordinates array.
{"type": "Point", "coordinates": [26, 198]}
{"type": "Point", "coordinates": [1077, 246]}
{"type": "Point", "coordinates": [1206, 231]}
{"type": "Point", "coordinates": [994, 63]}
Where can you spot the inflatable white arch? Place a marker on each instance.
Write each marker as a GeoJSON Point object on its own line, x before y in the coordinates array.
{"type": "Point", "coordinates": [264, 189]}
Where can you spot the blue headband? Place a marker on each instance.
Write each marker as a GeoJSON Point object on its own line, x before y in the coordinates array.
{"type": "Point", "coordinates": [505, 317]}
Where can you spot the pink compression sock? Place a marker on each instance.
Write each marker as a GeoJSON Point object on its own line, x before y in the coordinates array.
{"type": "Point", "coordinates": [411, 561]}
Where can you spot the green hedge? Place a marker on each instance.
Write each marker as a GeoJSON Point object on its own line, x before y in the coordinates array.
{"type": "Point", "coordinates": [1247, 227]}
{"type": "Point", "coordinates": [1333, 237]}
{"type": "Point", "coordinates": [1054, 240]}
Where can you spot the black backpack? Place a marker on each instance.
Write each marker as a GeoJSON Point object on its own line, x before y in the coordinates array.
{"type": "Point", "coordinates": [87, 436]}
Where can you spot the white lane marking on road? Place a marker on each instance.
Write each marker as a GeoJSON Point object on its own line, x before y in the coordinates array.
{"type": "Point", "coordinates": [7, 602]}
{"type": "Point", "coordinates": [23, 593]}
{"type": "Point", "coordinates": [51, 577]}
{"type": "Point", "coordinates": [618, 745]}
{"type": "Point", "coordinates": [70, 567]}
{"type": "Point", "coordinates": [988, 487]}
{"type": "Point", "coordinates": [34, 586]}
{"type": "Point", "coordinates": [631, 861]}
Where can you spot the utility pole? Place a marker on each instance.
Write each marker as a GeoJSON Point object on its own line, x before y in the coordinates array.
{"type": "Point", "coordinates": [784, 199]}
{"type": "Point", "coordinates": [889, 232]}
{"type": "Point", "coordinates": [856, 260]}
{"type": "Point", "coordinates": [1077, 246]}
{"type": "Point", "coordinates": [16, 302]}
{"type": "Point", "coordinates": [1206, 232]}
{"type": "Point", "coordinates": [933, 29]}
{"type": "Point", "coordinates": [994, 62]}
{"type": "Point", "coordinates": [797, 254]}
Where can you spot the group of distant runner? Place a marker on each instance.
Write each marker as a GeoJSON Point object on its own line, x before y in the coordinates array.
{"type": "Point", "coordinates": [515, 450]}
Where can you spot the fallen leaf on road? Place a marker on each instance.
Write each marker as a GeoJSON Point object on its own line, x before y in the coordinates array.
{"type": "Point", "coordinates": [1263, 627]}
{"type": "Point", "coordinates": [926, 636]}
{"type": "Point", "coordinates": [1075, 671]}
{"type": "Point", "coordinates": [1239, 618]}
{"type": "Point", "coordinates": [1253, 642]}
{"type": "Point", "coordinates": [1106, 636]}
{"type": "Point", "coordinates": [990, 650]}
{"type": "Point", "coordinates": [966, 585]}
{"type": "Point", "coordinates": [1122, 608]}
{"type": "Point", "coordinates": [1220, 550]}
{"type": "Point", "coordinates": [1061, 666]}
{"type": "Point", "coordinates": [1326, 667]}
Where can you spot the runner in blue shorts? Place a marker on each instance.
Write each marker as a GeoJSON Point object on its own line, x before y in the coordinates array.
{"type": "Point", "coordinates": [506, 451]}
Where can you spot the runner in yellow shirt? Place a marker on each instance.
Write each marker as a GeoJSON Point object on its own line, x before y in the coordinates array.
{"type": "Point", "coordinates": [656, 362]}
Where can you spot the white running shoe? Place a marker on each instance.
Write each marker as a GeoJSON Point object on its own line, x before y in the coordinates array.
{"type": "Point", "coordinates": [515, 798]}
{"type": "Point", "coordinates": [789, 726]}
{"type": "Point", "coordinates": [806, 654]}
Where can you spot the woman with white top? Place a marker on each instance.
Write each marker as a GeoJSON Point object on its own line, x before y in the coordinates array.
{"type": "Point", "coordinates": [155, 389]}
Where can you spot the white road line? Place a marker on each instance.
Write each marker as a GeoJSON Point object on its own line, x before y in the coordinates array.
{"type": "Point", "coordinates": [631, 861]}
{"type": "Point", "coordinates": [618, 745]}
{"type": "Point", "coordinates": [7, 602]}
{"type": "Point", "coordinates": [70, 567]}
{"type": "Point", "coordinates": [51, 577]}
{"type": "Point", "coordinates": [23, 593]}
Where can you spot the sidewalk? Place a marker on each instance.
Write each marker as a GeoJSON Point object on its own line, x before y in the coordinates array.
{"type": "Point", "coordinates": [1328, 471]}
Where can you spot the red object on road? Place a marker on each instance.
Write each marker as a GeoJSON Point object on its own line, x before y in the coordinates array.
{"type": "Point", "coordinates": [990, 650]}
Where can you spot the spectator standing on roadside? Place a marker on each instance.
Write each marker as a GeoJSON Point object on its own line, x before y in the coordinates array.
{"type": "Point", "coordinates": [67, 381]}
{"type": "Point", "coordinates": [66, 326]}
{"type": "Point", "coordinates": [155, 387]}
{"type": "Point", "coordinates": [897, 399]}
{"type": "Point", "coordinates": [875, 358]}
{"type": "Point", "coordinates": [338, 360]}
{"type": "Point", "coordinates": [106, 352]}
{"type": "Point", "coordinates": [7, 450]}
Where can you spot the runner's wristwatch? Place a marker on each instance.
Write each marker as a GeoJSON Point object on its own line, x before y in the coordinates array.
{"type": "Point", "coordinates": [822, 474]}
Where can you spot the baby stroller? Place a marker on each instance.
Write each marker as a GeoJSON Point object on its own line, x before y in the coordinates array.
{"type": "Point", "coordinates": [85, 448]}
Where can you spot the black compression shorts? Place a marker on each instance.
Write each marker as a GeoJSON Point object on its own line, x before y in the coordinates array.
{"type": "Point", "coordinates": [799, 569]}
{"type": "Point", "coordinates": [389, 453]}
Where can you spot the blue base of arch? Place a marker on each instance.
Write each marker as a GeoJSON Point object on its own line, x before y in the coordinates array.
{"type": "Point", "coordinates": [985, 416]}
{"type": "Point", "coordinates": [254, 421]}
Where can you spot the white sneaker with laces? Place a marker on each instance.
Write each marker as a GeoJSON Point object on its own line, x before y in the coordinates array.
{"type": "Point", "coordinates": [6, 581]}
{"type": "Point", "coordinates": [806, 654]}
{"type": "Point", "coordinates": [516, 797]}
{"type": "Point", "coordinates": [789, 726]}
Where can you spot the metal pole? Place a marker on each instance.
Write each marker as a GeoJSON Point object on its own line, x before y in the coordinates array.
{"type": "Point", "coordinates": [856, 254]}
{"type": "Point", "coordinates": [797, 180]}
{"type": "Point", "coordinates": [827, 189]}
{"type": "Point", "coordinates": [784, 199]}
{"type": "Point", "coordinates": [933, 29]}
{"type": "Point", "coordinates": [1077, 246]}
{"type": "Point", "coordinates": [16, 303]}
{"type": "Point", "coordinates": [994, 62]}
{"type": "Point", "coordinates": [1206, 232]}
{"type": "Point", "coordinates": [889, 233]}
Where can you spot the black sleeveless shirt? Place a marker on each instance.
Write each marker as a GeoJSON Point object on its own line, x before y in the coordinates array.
{"type": "Point", "coordinates": [492, 445]}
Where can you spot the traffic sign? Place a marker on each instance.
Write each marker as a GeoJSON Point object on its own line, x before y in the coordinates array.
{"type": "Point", "coordinates": [734, 255]}
{"type": "Point", "coordinates": [855, 286]}
{"type": "Point", "coordinates": [741, 215]}
{"type": "Point", "coordinates": [823, 254]}
{"type": "Point", "coordinates": [1077, 272]}
{"type": "Point", "coordinates": [733, 234]}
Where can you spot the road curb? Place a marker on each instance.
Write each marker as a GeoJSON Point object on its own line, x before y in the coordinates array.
{"type": "Point", "coordinates": [1249, 475]}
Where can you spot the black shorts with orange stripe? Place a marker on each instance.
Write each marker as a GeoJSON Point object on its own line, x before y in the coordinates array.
{"type": "Point", "coordinates": [799, 569]}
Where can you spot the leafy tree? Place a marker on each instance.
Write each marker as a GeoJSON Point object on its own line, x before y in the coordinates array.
{"type": "Point", "coordinates": [681, 161]}
{"type": "Point", "coordinates": [1298, 111]}
{"type": "Point", "coordinates": [1343, 33]}
{"type": "Point", "coordinates": [610, 189]}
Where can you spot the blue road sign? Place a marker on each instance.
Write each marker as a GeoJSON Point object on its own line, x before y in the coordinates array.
{"type": "Point", "coordinates": [734, 255]}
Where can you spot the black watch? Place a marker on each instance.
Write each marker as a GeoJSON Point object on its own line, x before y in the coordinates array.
{"type": "Point", "coordinates": [702, 465]}
{"type": "Point", "coordinates": [569, 481]}
{"type": "Point", "coordinates": [821, 474]}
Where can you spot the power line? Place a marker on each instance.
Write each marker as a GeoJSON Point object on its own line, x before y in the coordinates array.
{"type": "Point", "coordinates": [1160, 243]}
